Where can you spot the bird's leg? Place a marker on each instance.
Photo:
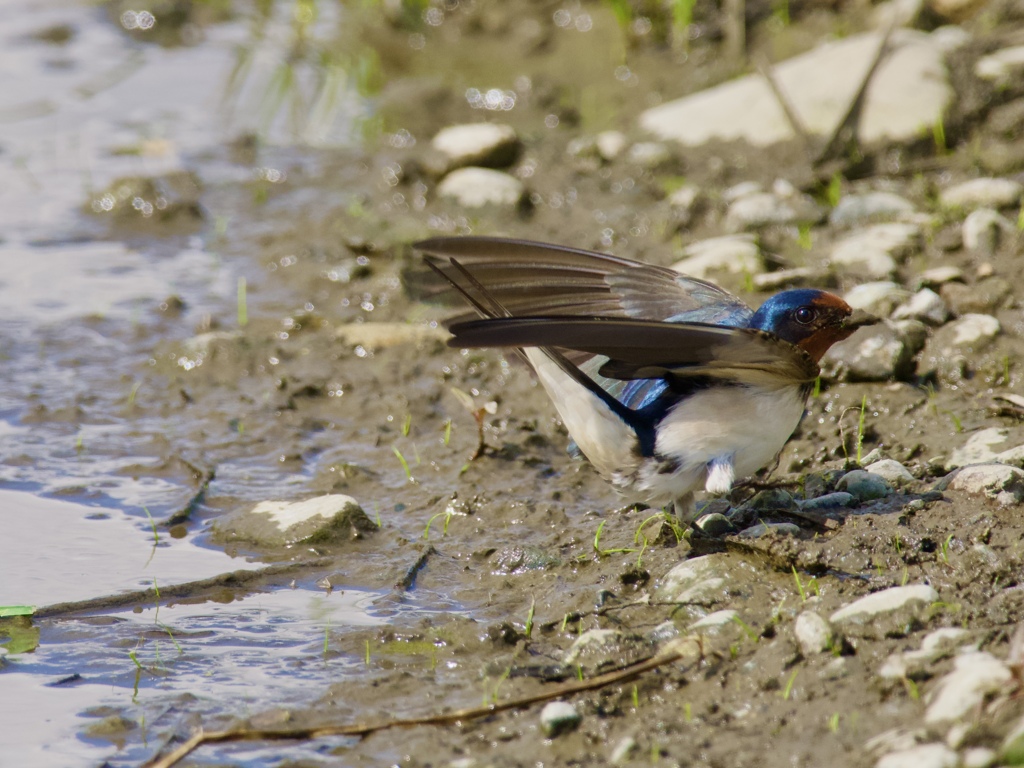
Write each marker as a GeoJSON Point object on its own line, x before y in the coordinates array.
{"type": "Point", "coordinates": [721, 475]}
{"type": "Point", "coordinates": [685, 509]}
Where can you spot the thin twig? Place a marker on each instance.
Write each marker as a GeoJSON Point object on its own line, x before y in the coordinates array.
{"type": "Point", "coordinates": [689, 647]}
{"type": "Point", "coordinates": [764, 67]}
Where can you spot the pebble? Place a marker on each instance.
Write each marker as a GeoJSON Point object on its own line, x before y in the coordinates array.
{"type": "Point", "coordinates": [714, 622]}
{"type": "Point", "coordinates": [974, 676]}
{"type": "Point", "coordinates": [559, 717]}
{"type": "Point", "coordinates": [769, 209]}
{"type": "Point", "coordinates": [813, 633]}
{"type": "Point", "coordinates": [734, 254]}
{"type": "Point", "coordinates": [743, 189]}
{"type": "Point", "coordinates": [699, 577]}
{"type": "Point", "coordinates": [474, 187]}
{"type": "Point", "coordinates": [942, 641]}
{"type": "Point", "coordinates": [685, 198]}
{"type": "Point", "coordinates": [594, 642]}
{"type": "Point", "coordinates": [763, 529]}
{"type": "Point", "coordinates": [877, 353]}
{"type": "Point", "coordinates": [873, 252]}
{"type": "Point", "coordinates": [836, 500]}
{"type": "Point", "coordinates": [1000, 482]}
{"type": "Point", "coordinates": [715, 524]}
{"type": "Point", "coordinates": [891, 471]}
{"type": "Point", "coordinates": [977, 449]}
{"type": "Point", "coordinates": [890, 613]}
{"type": "Point", "coordinates": [868, 207]}
{"type": "Point", "coordinates": [984, 230]}
{"type": "Point", "coordinates": [649, 154]}
{"type": "Point", "coordinates": [624, 750]}
{"type": "Point", "coordinates": [282, 523]}
{"type": "Point", "coordinates": [939, 275]}
{"type": "Point", "coordinates": [482, 144]}
{"type": "Point", "coordinates": [864, 486]}
{"type": "Point", "coordinates": [984, 296]}
{"type": "Point", "coordinates": [879, 298]}
{"type": "Point", "coordinates": [982, 193]}
{"type": "Point", "coordinates": [923, 756]}
{"type": "Point", "coordinates": [610, 144]}
{"type": "Point", "coordinates": [982, 757]}
{"type": "Point", "coordinates": [974, 330]}
{"type": "Point", "coordinates": [1003, 66]}
{"type": "Point", "coordinates": [925, 305]}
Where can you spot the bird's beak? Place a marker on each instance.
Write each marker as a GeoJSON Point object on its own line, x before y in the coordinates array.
{"type": "Point", "coordinates": [858, 319]}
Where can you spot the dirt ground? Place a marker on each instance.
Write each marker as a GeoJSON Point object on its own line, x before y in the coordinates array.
{"type": "Point", "coordinates": [510, 559]}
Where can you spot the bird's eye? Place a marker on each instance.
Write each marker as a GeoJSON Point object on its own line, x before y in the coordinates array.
{"type": "Point", "coordinates": [805, 315]}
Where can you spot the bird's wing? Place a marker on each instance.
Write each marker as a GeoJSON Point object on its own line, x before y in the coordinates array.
{"type": "Point", "coordinates": [529, 278]}
{"type": "Point", "coordinates": [643, 349]}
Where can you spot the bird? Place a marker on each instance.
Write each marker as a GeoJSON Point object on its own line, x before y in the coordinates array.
{"type": "Point", "coordinates": [666, 383]}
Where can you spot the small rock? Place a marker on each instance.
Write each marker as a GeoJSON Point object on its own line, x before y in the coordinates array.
{"type": "Point", "coordinates": [868, 207]}
{"type": "Point", "coordinates": [1003, 483]}
{"type": "Point", "coordinates": [610, 144]}
{"type": "Point", "coordinates": [864, 486]}
{"type": "Point", "coordinates": [983, 297]}
{"type": "Point", "coordinates": [334, 517]}
{"type": "Point", "coordinates": [559, 717]}
{"type": "Point", "coordinates": [686, 197]}
{"type": "Point", "coordinates": [892, 612]}
{"type": "Point", "coordinates": [982, 193]}
{"type": "Point", "coordinates": [694, 580]}
{"type": "Point", "coordinates": [877, 353]}
{"type": "Point", "coordinates": [768, 209]}
{"type": "Point", "coordinates": [975, 675]}
{"type": "Point", "coordinates": [649, 154]}
{"type": "Point", "coordinates": [873, 252]}
{"type": "Point", "coordinates": [938, 275]}
{"type": "Point", "coordinates": [715, 524]}
{"type": "Point", "coordinates": [1001, 67]}
{"type": "Point", "coordinates": [734, 254]}
{"type": "Point", "coordinates": [836, 500]}
{"type": "Point", "coordinates": [974, 331]}
{"type": "Point", "coordinates": [978, 448]}
{"type": "Point", "coordinates": [879, 298]}
{"type": "Point", "coordinates": [772, 500]}
{"type": "Point", "coordinates": [984, 230]}
{"type": "Point", "coordinates": [743, 189]}
{"type": "Point", "coordinates": [478, 144]}
{"type": "Point", "coordinates": [925, 305]}
{"type": "Point", "coordinates": [474, 187]}
{"type": "Point", "coordinates": [983, 757]}
{"type": "Point", "coordinates": [946, 353]}
{"type": "Point", "coordinates": [624, 750]}
{"type": "Point", "coordinates": [714, 622]}
{"type": "Point", "coordinates": [598, 646]}
{"type": "Point", "coordinates": [813, 634]}
{"type": "Point", "coordinates": [924, 756]}
{"type": "Point", "coordinates": [891, 471]}
{"type": "Point", "coordinates": [789, 278]}
{"type": "Point", "coordinates": [763, 529]}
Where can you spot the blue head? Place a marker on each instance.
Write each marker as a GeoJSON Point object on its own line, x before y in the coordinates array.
{"type": "Point", "coordinates": [811, 319]}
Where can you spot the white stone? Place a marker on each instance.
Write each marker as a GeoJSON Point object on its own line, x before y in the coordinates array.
{"type": "Point", "coordinates": [943, 639]}
{"type": "Point", "coordinates": [734, 254]}
{"type": "Point", "coordinates": [975, 330]}
{"type": "Point", "coordinates": [715, 621]}
{"type": "Point", "coordinates": [974, 676]}
{"type": "Point", "coordinates": [286, 514]}
{"type": "Point", "coordinates": [697, 576]}
{"type": "Point", "coordinates": [476, 187]}
{"type": "Point", "coordinates": [611, 144]}
{"type": "Point", "coordinates": [923, 756]}
{"type": "Point", "coordinates": [925, 305]}
{"type": "Point", "coordinates": [476, 143]}
{"type": "Point", "coordinates": [977, 449]}
{"type": "Point", "coordinates": [743, 189]}
{"type": "Point", "coordinates": [885, 612]}
{"type": "Point", "coordinates": [1001, 66]}
{"type": "Point", "coordinates": [593, 641]}
{"type": "Point", "coordinates": [767, 209]}
{"type": "Point", "coordinates": [892, 471]}
{"type": "Point", "coordinates": [1001, 482]}
{"type": "Point", "coordinates": [558, 717]}
{"type": "Point", "coordinates": [879, 297]}
{"type": "Point", "coordinates": [813, 634]}
{"type": "Point", "coordinates": [623, 750]}
{"type": "Point", "coordinates": [984, 229]}
{"type": "Point", "coordinates": [869, 206]}
{"type": "Point", "coordinates": [685, 197]}
{"type": "Point", "coordinates": [874, 250]}
{"type": "Point", "coordinates": [982, 193]}
{"type": "Point", "coordinates": [978, 757]}
{"type": "Point", "coordinates": [940, 275]}
{"type": "Point", "coordinates": [908, 94]}
{"type": "Point", "coordinates": [649, 154]}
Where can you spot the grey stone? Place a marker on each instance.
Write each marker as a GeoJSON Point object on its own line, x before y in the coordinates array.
{"type": "Point", "coordinates": [559, 717]}
{"type": "Point", "coordinates": [984, 230]}
{"type": "Point", "coordinates": [982, 193]}
{"type": "Point", "coordinates": [946, 353]}
{"type": "Point", "coordinates": [835, 500]}
{"type": "Point", "coordinates": [974, 676]}
{"type": "Point", "coordinates": [879, 298]}
{"type": "Point", "coordinates": [768, 209]}
{"type": "Point", "coordinates": [974, 331]}
{"type": "Point", "coordinates": [891, 471]}
{"type": "Point", "coordinates": [694, 580]}
{"type": "Point", "coordinates": [925, 305]}
{"type": "Point", "coordinates": [763, 529]}
{"type": "Point", "coordinates": [869, 207]}
{"type": "Point", "coordinates": [978, 448]}
{"type": "Point", "coordinates": [984, 296]}
{"type": "Point", "coordinates": [813, 633]}
{"type": "Point", "coordinates": [596, 646]}
{"type": "Point", "coordinates": [876, 353]}
{"type": "Point", "coordinates": [892, 612]}
{"type": "Point", "coordinates": [910, 92]}
{"type": "Point", "coordinates": [715, 524]}
{"type": "Point", "coordinates": [933, 755]}
{"type": "Point", "coordinates": [734, 254]}
{"type": "Point", "coordinates": [715, 622]}
{"type": "Point", "coordinates": [480, 144]}
{"type": "Point", "coordinates": [474, 187]}
{"type": "Point", "coordinates": [864, 486]}
{"type": "Point", "coordinates": [335, 517]}
{"type": "Point", "coordinates": [875, 251]}
{"type": "Point", "coordinates": [1001, 482]}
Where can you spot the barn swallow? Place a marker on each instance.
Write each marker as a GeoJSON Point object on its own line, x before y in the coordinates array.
{"type": "Point", "coordinates": [667, 384]}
